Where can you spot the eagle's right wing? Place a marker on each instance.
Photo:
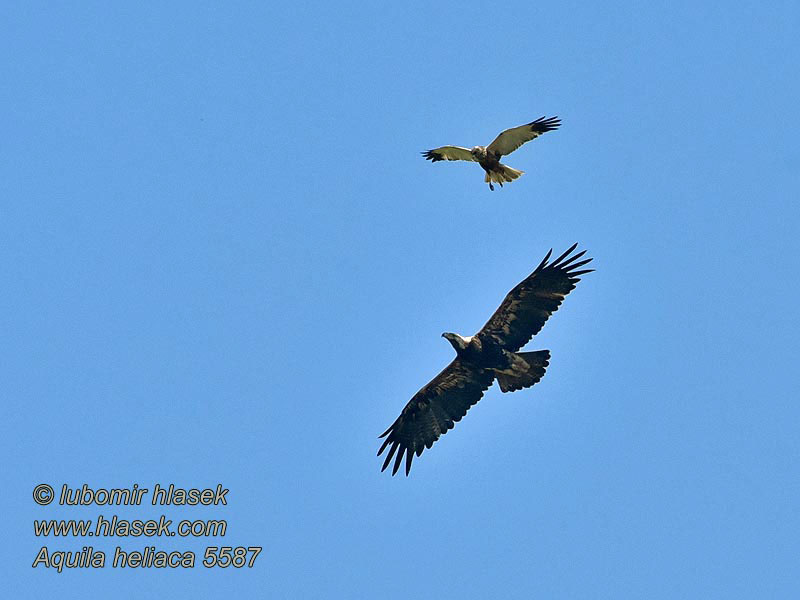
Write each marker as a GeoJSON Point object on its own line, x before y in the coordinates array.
{"type": "Point", "coordinates": [449, 153]}
{"type": "Point", "coordinates": [526, 308]}
{"type": "Point", "coordinates": [433, 411]}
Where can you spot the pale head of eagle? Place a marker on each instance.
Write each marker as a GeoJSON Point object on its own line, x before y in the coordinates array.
{"type": "Point", "coordinates": [458, 342]}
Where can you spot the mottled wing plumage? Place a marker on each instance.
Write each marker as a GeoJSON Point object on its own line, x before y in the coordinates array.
{"type": "Point", "coordinates": [433, 411]}
{"type": "Point", "coordinates": [449, 153]}
{"type": "Point", "coordinates": [527, 307]}
{"type": "Point", "coordinates": [513, 138]}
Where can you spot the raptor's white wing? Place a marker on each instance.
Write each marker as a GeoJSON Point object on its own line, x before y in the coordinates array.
{"type": "Point", "coordinates": [449, 153]}
{"type": "Point", "coordinates": [513, 138]}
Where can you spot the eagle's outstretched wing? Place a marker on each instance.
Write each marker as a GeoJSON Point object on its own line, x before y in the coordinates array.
{"type": "Point", "coordinates": [433, 411]}
{"type": "Point", "coordinates": [513, 138]}
{"type": "Point", "coordinates": [449, 153]}
{"type": "Point", "coordinates": [527, 307]}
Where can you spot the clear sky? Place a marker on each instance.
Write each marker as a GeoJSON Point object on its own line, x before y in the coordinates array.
{"type": "Point", "coordinates": [225, 262]}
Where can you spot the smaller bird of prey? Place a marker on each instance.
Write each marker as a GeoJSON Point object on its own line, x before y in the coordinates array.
{"type": "Point", "coordinates": [489, 156]}
{"type": "Point", "coordinates": [492, 353]}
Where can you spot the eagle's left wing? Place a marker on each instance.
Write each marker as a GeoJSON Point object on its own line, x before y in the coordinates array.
{"type": "Point", "coordinates": [513, 138]}
{"type": "Point", "coordinates": [448, 153]}
{"type": "Point", "coordinates": [526, 308]}
{"type": "Point", "coordinates": [433, 411]}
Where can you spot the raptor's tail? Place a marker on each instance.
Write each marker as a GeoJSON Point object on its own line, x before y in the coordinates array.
{"type": "Point", "coordinates": [502, 175]}
{"type": "Point", "coordinates": [537, 364]}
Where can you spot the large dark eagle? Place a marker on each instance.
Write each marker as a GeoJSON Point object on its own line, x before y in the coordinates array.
{"type": "Point", "coordinates": [492, 353]}
{"type": "Point", "coordinates": [489, 156]}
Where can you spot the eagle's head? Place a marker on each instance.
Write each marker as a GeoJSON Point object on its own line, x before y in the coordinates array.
{"type": "Point", "coordinates": [458, 342]}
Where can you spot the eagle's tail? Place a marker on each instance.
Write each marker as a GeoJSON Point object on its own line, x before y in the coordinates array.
{"type": "Point", "coordinates": [537, 364]}
{"type": "Point", "coordinates": [502, 175]}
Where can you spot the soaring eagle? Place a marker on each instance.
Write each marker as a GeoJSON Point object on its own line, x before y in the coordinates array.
{"type": "Point", "coordinates": [492, 353]}
{"type": "Point", "coordinates": [489, 156]}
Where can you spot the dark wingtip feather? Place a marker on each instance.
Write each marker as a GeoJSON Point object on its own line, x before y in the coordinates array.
{"type": "Point", "coordinates": [545, 124]}
{"type": "Point", "coordinates": [431, 155]}
{"type": "Point", "coordinates": [389, 456]}
{"type": "Point", "coordinates": [544, 260]}
{"type": "Point", "coordinates": [560, 258]}
{"type": "Point", "coordinates": [577, 264]}
{"type": "Point", "coordinates": [565, 263]}
{"type": "Point", "coordinates": [383, 446]}
{"type": "Point", "coordinates": [409, 458]}
{"type": "Point", "coordinates": [398, 460]}
{"type": "Point", "coordinates": [573, 258]}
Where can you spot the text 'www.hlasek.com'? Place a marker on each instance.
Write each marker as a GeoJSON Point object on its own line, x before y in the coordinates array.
{"type": "Point", "coordinates": [112, 526]}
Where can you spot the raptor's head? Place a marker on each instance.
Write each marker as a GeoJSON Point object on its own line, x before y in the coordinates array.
{"type": "Point", "coordinates": [479, 152]}
{"type": "Point", "coordinates": [458, 342]}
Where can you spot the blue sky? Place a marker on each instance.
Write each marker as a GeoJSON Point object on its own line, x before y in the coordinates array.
{"type": "Point", "coordinates": [226, 262]}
